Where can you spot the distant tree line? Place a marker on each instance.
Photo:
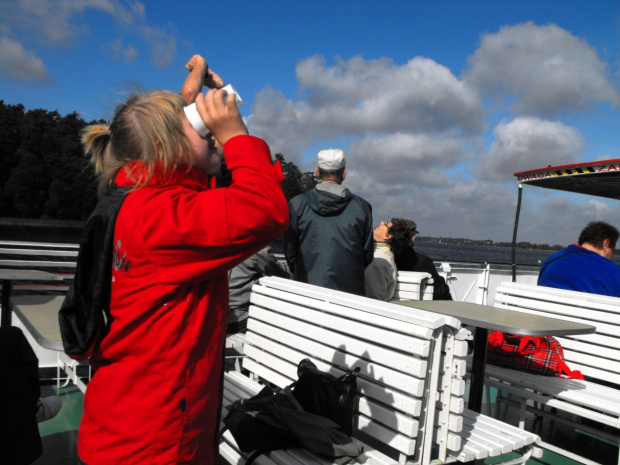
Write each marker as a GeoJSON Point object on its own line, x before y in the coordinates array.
{"type": "Point", "coordinates": [43, 171]}
{"type": "Point", "coordinates": [45, 175]}
{"type": "Point", "coordinates": [295, 182]}
{"type": "Point", "coordinates": [489, 242]}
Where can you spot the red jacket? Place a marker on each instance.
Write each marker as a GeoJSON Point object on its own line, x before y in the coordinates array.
{"type": "Point", "coordinates": [155, 397]}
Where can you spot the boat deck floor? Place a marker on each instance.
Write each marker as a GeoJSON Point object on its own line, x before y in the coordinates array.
{"type": "Point", "coordinates": [59, 435]}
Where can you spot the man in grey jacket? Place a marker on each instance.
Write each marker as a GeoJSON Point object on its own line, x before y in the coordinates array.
{"type": "Point", "coordinates": [329, 242]}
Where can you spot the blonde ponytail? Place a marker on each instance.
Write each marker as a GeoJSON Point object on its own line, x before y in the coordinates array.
{"type": "Point", "coordinates": [95, 140]}
{"type": "Point", "coordinates": [148, 128]}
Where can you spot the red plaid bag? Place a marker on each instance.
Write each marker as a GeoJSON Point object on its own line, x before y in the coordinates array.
{"type": "Point", "coordinates": [542, 355]}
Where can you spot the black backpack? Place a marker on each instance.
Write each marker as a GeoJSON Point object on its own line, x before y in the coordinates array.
{"type": "Point", "coordinates": [278, 419]}
{"type": "Point", "coordinates": [84, 316]}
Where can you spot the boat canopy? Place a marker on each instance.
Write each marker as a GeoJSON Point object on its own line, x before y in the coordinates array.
{"type": "Point", "coordinates": [599, 178]}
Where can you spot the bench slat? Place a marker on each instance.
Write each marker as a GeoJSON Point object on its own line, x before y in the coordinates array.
{"type": "Point", "coordinates": [344, 300]}
{"type": "Point", "coordinates": [605, 322]}
{"type": "Point", "coordinates": [575, 345]}
{"type": "Point", "coordinates": [55, 245]}
{"type": "Point", "coordinates": [394, 379]}
{"type": "Point", "coordinates": [40, 253]}
{"type": "Point", "coordinates": [335, 315]}
{"type": "Point", "coordinates": [298, 333]}
{"type": "Point", "coordinates": [19, 288]}
{"type": "Point", "coordinates": [37, 264]}
{"type": "Point", "coordinates": [593, 360]}
{"type": "Point", "coordinates": [553, 295]}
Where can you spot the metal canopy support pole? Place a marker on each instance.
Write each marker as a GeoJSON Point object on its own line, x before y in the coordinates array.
{"type": "Point", "coordinates": [514, 236]}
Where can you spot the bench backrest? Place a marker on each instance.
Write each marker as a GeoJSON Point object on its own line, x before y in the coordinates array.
{"type": "Point", "coordinates": [413, 285]}
{"type": "Point", "coordinates": [59, 259]}
{"type": "Point", "coordinates": [411, 380]}
{"type": "Point", "coordinates": [596, 355]}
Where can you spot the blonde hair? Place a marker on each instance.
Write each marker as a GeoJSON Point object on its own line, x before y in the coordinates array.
{"type": "Point", "coordinates": [148, 127]}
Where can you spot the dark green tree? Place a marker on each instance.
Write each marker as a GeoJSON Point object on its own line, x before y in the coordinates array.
{"type": "Point", "coordinates": [295, 182]}
{"type": "Point", "coordinates": [44, 173]}
{"type": "Point", "coordinates": [11, 120]}
{"type": "Point", "coordinates": [308, 180]}
{"type": "Point", "coordinates": [73, 190]}
{"type": "Point", "coordinates": [27, 189]}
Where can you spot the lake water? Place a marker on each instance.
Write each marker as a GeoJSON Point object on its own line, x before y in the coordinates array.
{"type": "Point", "coordinates": [480, 253]}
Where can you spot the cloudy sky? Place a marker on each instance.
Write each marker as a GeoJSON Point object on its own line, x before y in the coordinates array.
{"type": "Point", "coordinates": [436, 103]}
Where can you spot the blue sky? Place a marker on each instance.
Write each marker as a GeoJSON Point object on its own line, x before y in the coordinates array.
{"type": "Point", "coordinates": [436, 103]}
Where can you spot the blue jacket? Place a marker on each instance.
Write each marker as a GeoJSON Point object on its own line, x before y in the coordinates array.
{"type": "Point", "coordinates": [579, 269]}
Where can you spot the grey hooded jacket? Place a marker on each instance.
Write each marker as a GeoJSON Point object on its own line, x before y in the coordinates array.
{"type": "Point", "coordinates": [329, 242]}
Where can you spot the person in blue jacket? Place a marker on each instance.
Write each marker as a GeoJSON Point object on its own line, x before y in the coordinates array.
{"type": "Point", "coordinates": [586, 267]}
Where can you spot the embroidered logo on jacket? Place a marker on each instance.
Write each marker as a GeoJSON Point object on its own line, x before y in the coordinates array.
{"type": "Point", "coordinates": [119, 259]}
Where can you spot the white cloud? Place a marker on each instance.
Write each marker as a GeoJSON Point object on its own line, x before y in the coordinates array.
{"type": "Point", "coordinates": [162, 44]}
{"type": "Point", "coordinates": [399, 160]}
{"type": "Point", "coordinates": [49, 22]}
{"type": "Point", "coordinates": [121, 51]}
{"type": "Point", "coordinates": [130, 54]}
{"type": "Point", "coordinates": [545, 68]}
{"type": "Point", "coordinates": [409, 132]}
{"type": "Point", "coordinates": [58, 23]}
{"type": "Point", "coordinates": [560, 219]}
{"type": "Point", "coordinates": [528, 143]}
{"type": "Point", "coordinates": [478, 209]}
{"type": "Point", "coordinates": [356, 97]}
{"type": "Point", "coordinates": [468, 209]}
{"type": "Point", "coordinates": [17, 64]}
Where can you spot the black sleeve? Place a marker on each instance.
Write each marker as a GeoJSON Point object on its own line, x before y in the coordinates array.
{"type": "Point", "coordinates": [441, 290]}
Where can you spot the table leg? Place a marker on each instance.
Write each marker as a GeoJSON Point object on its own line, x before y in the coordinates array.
{"type": "Point", "coordinates": [7, 287]}
{"type": "Point", "coordinates": [476, 388]}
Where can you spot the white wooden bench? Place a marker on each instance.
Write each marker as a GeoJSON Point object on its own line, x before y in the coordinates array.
{"type": "Point", "coordinates": [595, 400]}
{"type": "Point", "coordinates": [36, 304]}
{"type": "Point", "coordinates": [413, 285]}
{"type": "Point", "coordinates": [410, 409]}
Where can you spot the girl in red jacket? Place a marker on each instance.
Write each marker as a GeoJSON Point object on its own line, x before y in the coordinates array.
{"type": "Point", "coordinates": [155, 396]}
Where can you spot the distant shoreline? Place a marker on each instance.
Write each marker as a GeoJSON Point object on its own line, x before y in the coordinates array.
{"type": "Point", "coordinates": [41, 223]}
{"type": "Point", "coordinates": [489, 243]}
{"type": "Point", "coordinates": [79, 225]}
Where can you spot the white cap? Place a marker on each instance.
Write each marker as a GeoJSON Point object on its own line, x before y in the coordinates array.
{"type": "Point", "coordinates": [195, 120]}
{"type": "Point", "coordinates": [331, 159]}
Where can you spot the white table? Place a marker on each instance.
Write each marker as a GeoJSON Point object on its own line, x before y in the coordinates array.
{"type": "Point", "coordinates": [8, 276]}
{"type": "Point", "coordinates": [486, 318]}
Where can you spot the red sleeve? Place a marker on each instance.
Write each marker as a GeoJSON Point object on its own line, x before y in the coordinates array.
{"type": "Point", "coordinates": [195, 235]}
